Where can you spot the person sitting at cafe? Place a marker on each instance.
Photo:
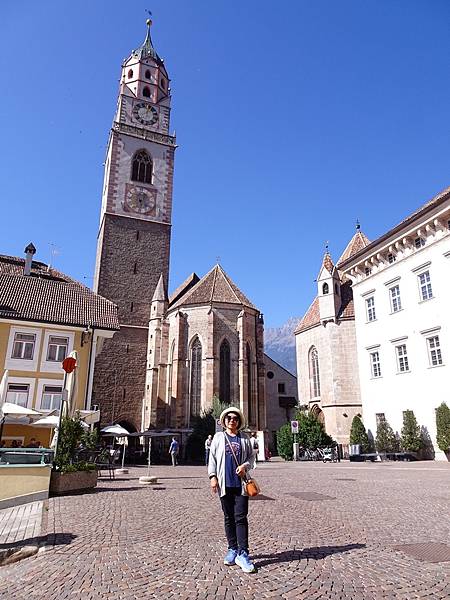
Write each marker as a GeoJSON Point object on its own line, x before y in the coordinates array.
{"type": "Point", "coordinates": [32, 443]}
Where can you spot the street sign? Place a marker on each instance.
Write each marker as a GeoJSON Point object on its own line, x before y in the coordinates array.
{"type": "Point", "coordinates": [69, 364]}
{"type": "Point", "coordinates": [294, 426]}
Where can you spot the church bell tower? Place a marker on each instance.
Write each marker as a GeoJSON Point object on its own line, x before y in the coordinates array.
{"type": "Point", "coordinates": [134, 232]}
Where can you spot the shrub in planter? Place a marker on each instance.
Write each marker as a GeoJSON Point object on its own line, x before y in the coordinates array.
{"type": "Point", "coordinates": [285, 440]}
{"type": "Point", "coordinates": [386, 440]}
{"type": "Point", "coordinates": [358, 434]}
{"type": "Point", "coordinates": [411, 440]}
{"type": "Point", "coordinates": [443, 428]}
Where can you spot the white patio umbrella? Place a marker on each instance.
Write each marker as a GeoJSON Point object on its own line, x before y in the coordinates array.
{"type": "Point", "coordinates": [3, 387]}
{"type": "Point", "coordinates": [11, 410]}
{"type": "Point", "coordinates": [117, 431]}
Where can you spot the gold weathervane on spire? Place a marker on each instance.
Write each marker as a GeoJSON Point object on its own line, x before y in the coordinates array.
{"type": "Point", "coordinates": [149, 21]}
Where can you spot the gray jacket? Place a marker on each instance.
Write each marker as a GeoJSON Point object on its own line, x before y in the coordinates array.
{"type": "Point", "coordinates": [216, 464]}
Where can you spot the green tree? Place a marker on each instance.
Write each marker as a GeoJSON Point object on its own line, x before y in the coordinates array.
{"type": "Point", "coordinates": [202, 426]}
{"type": "Point", "coordinates": [443, 427]}
{"type": "Point", "coordinates": [385, 440]}
{"type": "Point", "coordinates": [284, 442]}
{"type": "Point", "coordinates": [411, 440]}
{"type": "Point", "coordinates": [311, 432]}
{"type": "Point", "coordinates": [70, 434]}
{"type": "Point", "coordinates": [358, 434]}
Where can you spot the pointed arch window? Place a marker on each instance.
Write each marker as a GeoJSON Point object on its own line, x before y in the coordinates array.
{"type": "Point", "coordinates": [325, 289]}
{"type": "Point", "coordinates": [148, 75]}
{"type": "Point", "coordinates": [142, 167]}
{"type": "Point", "coordinates": [314, 375]}
{"type": "Point", "coordinates": [225, 372]}
{"type": "Point", "coordinates": [130, 73]}
{"type": "Point", "coordinates": [196, 377]}
{"type": "Point", "coordinates": [251, 412]}
{"type": "Point", "coordinates": [146, 92]}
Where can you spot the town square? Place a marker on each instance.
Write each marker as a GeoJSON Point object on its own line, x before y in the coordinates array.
{"type": "Point", "coordinates": [224, 292]}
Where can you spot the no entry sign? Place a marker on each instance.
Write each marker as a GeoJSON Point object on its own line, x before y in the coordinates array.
{"type": "Point", "coordinates": [294, 426]}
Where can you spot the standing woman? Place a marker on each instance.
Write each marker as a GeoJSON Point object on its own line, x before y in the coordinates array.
{"type": "Point", "coordinates": [230, 458]}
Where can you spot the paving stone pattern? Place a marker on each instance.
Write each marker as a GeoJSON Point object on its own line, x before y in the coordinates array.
{"type": "Point", "coordinates": [20, 523]}
{"type": "Point", "coordinates": [125, 541]}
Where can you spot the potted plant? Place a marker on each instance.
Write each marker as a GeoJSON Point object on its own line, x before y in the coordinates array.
{"type": "Point", "coordinates": [70, 474]}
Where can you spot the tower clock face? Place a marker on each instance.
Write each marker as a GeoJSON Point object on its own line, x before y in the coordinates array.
{"type": "Point", "coordinates": [140, 200]}
{"type": "Point", "coordinates": [145, 113]}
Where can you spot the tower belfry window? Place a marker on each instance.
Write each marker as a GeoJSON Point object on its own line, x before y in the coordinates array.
{"type": "Point", "coordinates": [142, 166]}
{"type": "Point", "coordinates": [148, 75]}
{"type": "Point", "coordinates": [146, 92]}
{"type": "Point", "coordinates": [130, 73]}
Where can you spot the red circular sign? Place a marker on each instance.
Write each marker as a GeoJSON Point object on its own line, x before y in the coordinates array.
{"type": "Point", "coordinates": [69, 364]}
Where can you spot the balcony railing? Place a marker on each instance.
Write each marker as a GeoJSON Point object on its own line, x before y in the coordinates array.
{"type": "Point", "coordinates": [25, 456]}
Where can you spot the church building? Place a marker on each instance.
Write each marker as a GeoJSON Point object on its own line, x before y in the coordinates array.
{"type": "Point", "coordinates": [328, 380]}
{"type": "Point", "coordinates": [173, 354]}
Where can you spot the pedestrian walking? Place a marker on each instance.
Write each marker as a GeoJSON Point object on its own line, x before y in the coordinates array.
{"type": "Point", "coordinates": [173, 451]}
{"type": "Point", "coordinates": [207, 448]}
{"type": "Point", "coordinates": [255, 448]}
{"type": "Point", "coordinates": [230, 458]}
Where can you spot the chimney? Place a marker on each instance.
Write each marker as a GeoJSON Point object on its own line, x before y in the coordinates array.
{"type": "Point", "coordinates": [30, 250]}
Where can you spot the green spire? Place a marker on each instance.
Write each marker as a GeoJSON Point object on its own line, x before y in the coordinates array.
{"type": "Point", "coordinates": [146, 50]}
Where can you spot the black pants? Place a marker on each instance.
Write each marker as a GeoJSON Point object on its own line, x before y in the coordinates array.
{"type": "Point", "coordinates": [235, 510]}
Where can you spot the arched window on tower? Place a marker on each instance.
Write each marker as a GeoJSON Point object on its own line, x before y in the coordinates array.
{"type": "Point", "coordinates": [146, 92]}
{"type": "Point", "coordinates": [251, 412]}
{"type": "Point", "coordinates": [130, 73]}
{"type": "Point", "coordinates": [196, 378]}
{"type": "Point", "coordinates": [314, 375]}
{"type": "Point", "coordinates": [141, 167]}
{"type": "Point", "coordinates": [148, 75]}
{"type": "Point", "coordinates": [225, 372]}
{"type": "Point", "coordinates": [325, 289]}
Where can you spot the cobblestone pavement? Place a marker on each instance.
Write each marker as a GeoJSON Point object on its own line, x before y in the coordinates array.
{"type": "Point", "coordinates": [20, 523]}
{"type": "Point", "coordinates": [337, 542]}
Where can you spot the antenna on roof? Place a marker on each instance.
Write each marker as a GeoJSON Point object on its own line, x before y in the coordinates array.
{"type": "Point", "coordinates": [54, 251]}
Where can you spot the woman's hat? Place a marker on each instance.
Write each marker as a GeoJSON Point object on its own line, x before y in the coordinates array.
{"type": "Point", "coordinates": [237, 411]}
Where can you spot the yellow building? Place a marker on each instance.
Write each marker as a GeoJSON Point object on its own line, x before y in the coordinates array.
{"type": "Point", "coordinates": [44, 315]}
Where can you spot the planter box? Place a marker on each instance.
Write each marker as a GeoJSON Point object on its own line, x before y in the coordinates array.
{"type": "Point", "coordinates": [61, 483]}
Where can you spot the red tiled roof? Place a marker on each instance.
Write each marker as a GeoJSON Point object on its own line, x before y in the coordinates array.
{"type": "Point", "coordinates": [182, 289]}
{"type": "Point", "coordinates": [357, 243]}
{"type": "Point", "coordinates": [14, 265]}
{"type": "Point", "coordinates": [50, 301]}
{"type": "Point", "coordinates": [327, 262]}
{"type": "Point", "coordinates": [311, 317]}
{"type": "Point", "coordinates": [214, 287]}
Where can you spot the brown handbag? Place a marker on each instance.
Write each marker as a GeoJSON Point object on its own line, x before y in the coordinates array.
{"type": "Point", "coordinates": [251, 486]}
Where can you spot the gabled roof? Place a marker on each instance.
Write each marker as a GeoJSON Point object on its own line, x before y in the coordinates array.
{"type": "Point", "coordinates": [214, 287]}
{"type": "Point", "coordinates": [357, 243]}
{"type": "Point", "coordinates": [311, 317]}
{"type": "Point", "coordinates": [49, 296]}
{"type": "Point", "coordinates": [435, 202]}
{"type": "Point", "coordinates": [49, 301]}
{"type": "Point", "coordinates": [328, 263]}
{"type": "Point", "coordinates": [14, 265]}
{"type": "Point", "coordinates": [187, 284]}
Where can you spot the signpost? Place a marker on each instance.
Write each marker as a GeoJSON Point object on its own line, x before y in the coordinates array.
{"type": "Point", "coordinates": [69, 365]}
{"type": "Point", "coordinates": [295, 445]}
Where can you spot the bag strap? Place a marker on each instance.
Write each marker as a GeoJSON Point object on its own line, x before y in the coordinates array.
{"type": "Point", "coordinates": [245, 476]}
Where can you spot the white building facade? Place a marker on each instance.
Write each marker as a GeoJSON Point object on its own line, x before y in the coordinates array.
{"type": "Point", "coordinates": [401, 294]}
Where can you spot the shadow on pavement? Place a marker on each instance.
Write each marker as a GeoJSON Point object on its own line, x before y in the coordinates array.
{"type": "Point", "coordinates": [54, 539]}
{"type": "Point", "coordinates": [312, 553]}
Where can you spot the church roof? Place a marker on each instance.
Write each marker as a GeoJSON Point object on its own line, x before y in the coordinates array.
{"type": "Point", "coordinates": [146, 49]}
{"type": "Point", "coordinates": [327, 262]}
{"type": "Point", "coordinates": [214, 287]}
{"type": "Point", "coordinates": [357, 243]}
{"type": "Point", "coordinates": [182, 289]}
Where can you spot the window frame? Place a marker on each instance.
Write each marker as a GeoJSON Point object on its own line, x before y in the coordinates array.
{"type": "Point", "coordinates": [437, 350]}
{"type": "Point", "coordinates": [395, 298]}
{"type": "Point", "coordinates": [401, 354]}
{"type": "Point", "coordinates": [23, 364]}
{"type": "Point", "coordinates": [375, 365]}
{"type": "Point", "coordinates": [51, 366]}
{"type": "Point", "coordinates": [314, 373]}
{"type": "Point", "coordinates": [143, 172]}
{"type": "Point", "coordinates": [425, 286]}
{"type": "Point", "coordinates": [29, 381]}
{"type": "Point", "coordinates": [371, 314]}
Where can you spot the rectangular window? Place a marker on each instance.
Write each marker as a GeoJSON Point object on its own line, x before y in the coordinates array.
{"type": "Point", "coordinates": [370, 308]}
{"type": "Point", "coordinates": [375, 364]}
{"type": "Point", "coordinates": [396, 303]}
{"type": "Point", "coordinates": [281, 388]}
{"type": "Point", "coordinates": [367, 271]}
{"type": "Point", "coordinates": [17, 393]}
{"type": "Point", "coordinates": [57, 348]}
{"type": "Point", "coordinates": [426, 291]}
{"type": "Point", "coordinates": [380, 417]}
{"type": "Point", "coordinates": [402, 358]}
{"type": "Point", "coordinates": [51, 397]}
{"type": "Point", "coordinates": [434, 351]}
{"type": "Point", "coordinates": [419, 242]}
{"type": "Point", "coordinates": [391, 258]}
{"type": "Point", "coordinates": [23, 346]}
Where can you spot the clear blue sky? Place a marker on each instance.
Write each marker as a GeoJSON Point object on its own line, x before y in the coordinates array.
{"type": "Point", "coordinates": [293, 118]}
